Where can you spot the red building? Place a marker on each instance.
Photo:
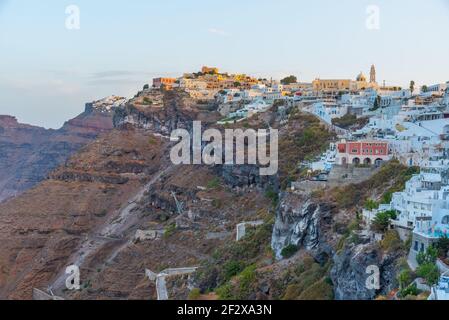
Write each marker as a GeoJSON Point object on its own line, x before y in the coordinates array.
{"type": "Point", "coordinates": [366, 152]}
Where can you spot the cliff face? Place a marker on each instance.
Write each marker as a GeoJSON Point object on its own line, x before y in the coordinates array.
{"type": "Point", "coordinates": [350, 272]}
{"type": "Point", "coordinates": [176, 111]}
{"type": "Point", "coordinates": [91, 207]}
{"type": "Point", "coordinates": [29, 153]}
{"type": "Point", "coordinates": [327, 226]}
{"type": "Point", "coordinates": [45, 226]}
{"type": "Point", "coordinates": [302, 222]}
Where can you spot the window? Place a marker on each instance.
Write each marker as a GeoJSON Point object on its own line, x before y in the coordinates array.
{"type": "Point", "coordinates": [445, 220]}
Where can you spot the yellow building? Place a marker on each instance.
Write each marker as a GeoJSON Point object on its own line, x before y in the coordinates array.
{"type": "Point", "coordinates": [336, 85]}
{"type": "Point", "coordinates": [209, 70]}
{"type": "Point", "coordinates": [333, 85]}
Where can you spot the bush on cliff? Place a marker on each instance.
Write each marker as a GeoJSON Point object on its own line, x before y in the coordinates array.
{"type": "Point", "coordinates": [308, 282]}
{"type": "Point", "coordinates": [391, 241]}
{"type": "Point", "coordinates": [390, 178]}
{"type": "Point", "coordinates": [427, 266]}
{"type": "Point", "coordinates": [232, 259]}
{"type": "Point", "coordinates": [289, 251]}
{"type": "Point", "coordinates": [305, 138]}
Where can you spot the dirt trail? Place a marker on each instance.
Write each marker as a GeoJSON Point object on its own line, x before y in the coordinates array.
{"type": "Point", "coordinates": [111, 231]}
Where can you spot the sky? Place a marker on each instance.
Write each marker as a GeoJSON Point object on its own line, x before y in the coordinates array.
{"type": "Point", "coordinates": [48, 71]}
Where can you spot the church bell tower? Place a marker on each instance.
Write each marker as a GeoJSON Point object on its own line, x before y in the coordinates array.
{"type": "Point", "coordinates": [372, 77]}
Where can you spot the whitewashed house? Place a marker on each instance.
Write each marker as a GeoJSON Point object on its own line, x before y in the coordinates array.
{"type": "Point", "coordinates": [328, 110]}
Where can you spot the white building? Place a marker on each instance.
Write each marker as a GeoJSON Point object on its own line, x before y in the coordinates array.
{"type": "Point", "coordinates": [329, 109]}
{"type": "Point", "coordinates": [250, 109]}
{"type": "Point", "coordinates": [422, 196]}
{"type": "Point", "coordinates": [326, 161]}
{"type": "Point", "coordinates": [439, 88]}
{"type": "Point", "coordinates": [441, 290]}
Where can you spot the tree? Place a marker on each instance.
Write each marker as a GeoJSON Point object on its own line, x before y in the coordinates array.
{"type": "Point", "coordinates": [427, 265]}
{"type": "Point", "coordinates": [289, 80]}
{"type": "Point", "coordinates": [424, 88]}
{"type": "Point", "coordinates": [404, 278]}
{"type": "Point", "coordinates": [412, 86]}
{"type": "Point", "coordinates": [430, 273]}
{"type": "Point", "coordinates": [146, 87]}
{"type": "Point", "coordinates": [382, 220]}
{"type": "Point", "coordinates": [376, 103]}
{"type": "Point", "coordinates": [443, 246]}
{"type": "Point", "coordinates": [429, 256]}
{"type": "Point", "coordinates": [370, 204]}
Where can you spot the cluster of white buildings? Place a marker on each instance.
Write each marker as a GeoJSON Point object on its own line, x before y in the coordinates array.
{"type": "Point", "coordinates": [417, 133]}
{"type": "Point", "coordinates": [106, 104]}
{"type": "Point", "coordinates": [259, 98]}
{"type": "Point", "coordinates": [259, 91]}
{"type": "Point", "coordinates": [251, 109]}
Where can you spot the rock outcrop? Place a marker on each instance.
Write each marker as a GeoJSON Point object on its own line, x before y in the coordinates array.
{"type": "Point", "coordinates": [29, 153]}
{"type": "Point", "coordinates": [302, 222]}
{"type": "Point", "coordinates": [352, 268]}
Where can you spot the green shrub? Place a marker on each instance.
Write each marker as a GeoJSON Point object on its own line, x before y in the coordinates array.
{"type": "Point", "coordinates": [289, 251]}
{"type": "Point", "coordinates": [194, 294]}
{"type": "Point", "coordinates": [387, 197]}
{"type": "Point", "coordinates": [214, 183]}
{"type": "Point", "coordinates": [321, 290]}
{"type": "Point", "coordinates": [246, 280]}
{"type": "Point", "coordinates": [272, 195]}
{"type": "Point", "coordinates": [241, 288]}
{"type": "Point", "coordinates": [235, 255]}
{"type": "Point", "coordinates": [443, 247]}
{"type": "Point", "coordinates": [391, 241]}
{"type": "Point", "coordinates": [430, 273]}
{"type": "Point", "coordinates": [232, 268]}
{"type": "Point", "coordinates": [427, 265]}
{"type": "Point", "coordinates": [308, 281]}
{"type": "Point", "coordinates": [411, 290]}
{"type": "Point", "coordinates": [225, 292]}
{"type": "Point", "coordinates": [170, 230]}
{"type": "Point", "coordinates": [404, 278]}
{"type": "Point", "coordinates": [429, 256]}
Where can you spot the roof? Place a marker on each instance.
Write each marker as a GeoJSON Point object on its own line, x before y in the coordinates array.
{"type": "Point", "coordinates": [435, 126]}
{"type": "Point", "coordinates": [431, 177]}
{"type": "Point", "coordinates": [413, 129]}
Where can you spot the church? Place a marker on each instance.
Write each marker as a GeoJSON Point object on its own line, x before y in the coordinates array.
{"type": "Point", "coordinates": [338, 85]}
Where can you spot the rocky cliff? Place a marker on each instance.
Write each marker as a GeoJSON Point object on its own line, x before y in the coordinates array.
{"type": "Point", "coordinates": [351, 270]}
{"type": "Point", "coordinates": [304, 223]}
{"type": "Point", "coordinates": [29, 153]}
{"type": "Point", "coordinates": [326, 224]}
{"type": "Point", "coordinates": [92, 207]}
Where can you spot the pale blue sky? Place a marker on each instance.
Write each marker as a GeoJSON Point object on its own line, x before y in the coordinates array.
{"type": "Point", "coordinates": [47, 72]}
